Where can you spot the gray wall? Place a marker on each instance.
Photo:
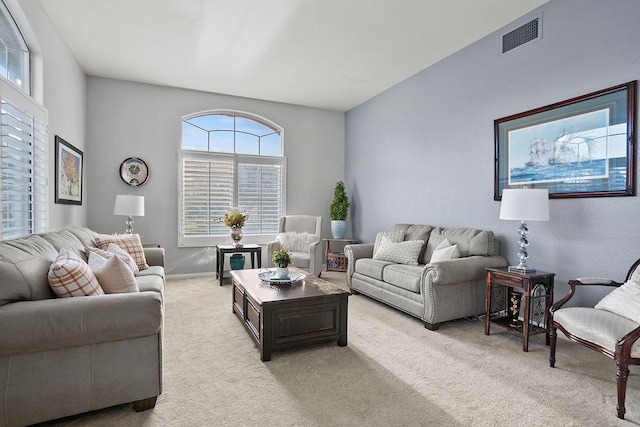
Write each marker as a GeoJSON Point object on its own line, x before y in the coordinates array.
{"type": "Point", "coordinates": [64, 96]}
{"type": "Point", "coordinates": [131, 119]}
{"type": "Point", "coordinates": [427, 143]}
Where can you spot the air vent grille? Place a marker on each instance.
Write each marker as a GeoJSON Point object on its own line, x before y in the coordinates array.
{"type": "Point", "coordinates": [521, 35]}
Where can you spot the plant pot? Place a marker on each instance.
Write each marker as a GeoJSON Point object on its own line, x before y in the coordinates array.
{"type": "Point", "coordinates": [236, 236]}
{"type": "Point", "coordinates": [282, 273]}
{"type": "Point", "coordinates": [338, 228]}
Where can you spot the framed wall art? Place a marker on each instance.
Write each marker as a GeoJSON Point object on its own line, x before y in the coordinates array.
{"type": "Point", "coordinates": [581, 147]}
{"type": "Point", "coordinates": [68, 173]}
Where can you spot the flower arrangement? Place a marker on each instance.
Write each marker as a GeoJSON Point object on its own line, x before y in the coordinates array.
{"type": "Point", "coordinates": [235, 218]}
{"type": "Point", "coordinates": [281, 258]}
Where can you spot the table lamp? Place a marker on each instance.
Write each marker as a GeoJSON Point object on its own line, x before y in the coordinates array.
{"type": "Point", "coordinates": [524, 204]}
{"type": "Point", "coordinates": [129, 205]}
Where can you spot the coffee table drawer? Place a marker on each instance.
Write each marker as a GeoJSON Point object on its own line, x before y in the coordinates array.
{"type": "Point", "coordinates": [306, 323]}
{"type": "Point", "coordinates": [253, 318]}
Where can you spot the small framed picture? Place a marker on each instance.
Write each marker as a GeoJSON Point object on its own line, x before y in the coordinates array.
{"type": "Point", "coordinates": [68, 173]}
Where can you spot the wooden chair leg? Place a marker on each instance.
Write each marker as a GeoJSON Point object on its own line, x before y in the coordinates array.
{"type": "Point", "coordinates": [553, 336]}
{"type": "Point", "coordinates": [622, 373]}
{"type": "Point", "coordinates": [145, 404]}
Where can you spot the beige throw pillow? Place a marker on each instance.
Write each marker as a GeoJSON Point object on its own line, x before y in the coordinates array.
{"type": "Point", "coordinates": [70, 276]}
{"type": "Point", "coordinates": [129, 242]}
{"type": "Point", "coordinates": [119, 252]}
{"type": "Point", "coordinates": [623, 301]}
{"type": "Point", "coordinates": [114, 275]}
{"type": "Point", "coordinates": [445, 251]}
{"type": "Point", "coordinates": [401, 252]}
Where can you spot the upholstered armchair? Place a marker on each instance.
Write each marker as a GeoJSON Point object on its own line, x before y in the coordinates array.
{"type": "Point", "coordinates": [612, 327]}
{"type": "Point", "coordinates": [300, 235]}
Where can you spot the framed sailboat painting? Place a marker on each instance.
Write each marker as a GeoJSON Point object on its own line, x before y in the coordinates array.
{"type": "Point", "coordinates": [581, 147]}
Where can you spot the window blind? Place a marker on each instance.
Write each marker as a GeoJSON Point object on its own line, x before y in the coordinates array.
{"type": "Point", "coordinates": [23, 139]}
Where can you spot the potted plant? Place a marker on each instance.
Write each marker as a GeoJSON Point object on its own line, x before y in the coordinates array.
{"type": "Point", "coordinates": [281, 259]}
{"type": "Point", "coordinates": [338, 211]}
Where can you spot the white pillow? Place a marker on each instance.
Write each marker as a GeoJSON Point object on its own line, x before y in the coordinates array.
{"type": "Point", "coordinates": [624, 301]}
{"type": "Point", "coordinates": [297, 242]}
{"type": "Point", "coordinates": [114, 275]}
{"type": "Point", "coordinates": [445, 251]}
{"type": "Point", "coordinates": [394, 236]}
{"type": "Point", "coordinates": [400, 252]}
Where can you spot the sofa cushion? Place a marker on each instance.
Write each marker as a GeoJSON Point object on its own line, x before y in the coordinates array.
{"type": "Point", "coordinates": [70, 276]}
{"type": "Point", "coordinates": [371, 267]}
{"type": "Point", "coordinates": [404, 276]}
{"type": "Point", "coordinates": [395, 236]}
{"type": "Point", "coordinates": [85, 235]}
{"type": "Point", "coordinates": [24, 265]}
{"type": "Point", "coordinates": [406, 252]}
{"type": "Point", "coordinates": [470, 241]}
{"type": "Point", "coordinates": [64, 238]}
{"type": "Point", "coordinates": [129, 242]}
{"type": "Point", "coordinates": [113, 274]}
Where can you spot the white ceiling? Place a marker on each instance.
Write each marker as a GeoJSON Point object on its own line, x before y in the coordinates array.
{"type": "Point", "coordinates": [332, 54]}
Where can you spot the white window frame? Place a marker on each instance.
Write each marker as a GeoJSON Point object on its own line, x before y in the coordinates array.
{"type": "Point", "coordinates": [186, 154]}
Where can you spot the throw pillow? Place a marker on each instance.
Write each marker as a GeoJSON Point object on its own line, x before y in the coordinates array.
{"type": "Point", "coordinates": [114, 275]}
{"type": "Point", "coordinates": [70, 276]}
{"type": "Point", "coordinates": [445, 251]}
{"type": "Point", "coordinates": [400, 252]}
{"type": "Point", "coordinates": [119, 252]}
{"type": "Point", "coordinates": [394, 236]}
{"type": "Point", "coordinates": [129, 242]}
{"type": "Point", "coordinates": [297, 242]}
{"type": "Point", "coordinates": [623, 301]}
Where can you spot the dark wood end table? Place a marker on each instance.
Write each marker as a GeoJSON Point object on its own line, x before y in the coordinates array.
{"type": "Point", "coordinates": [254, 250]}
{"type": "Point", "coordinates": [537, 286]}
{"type": "Point", "coordinates": [280, 317]}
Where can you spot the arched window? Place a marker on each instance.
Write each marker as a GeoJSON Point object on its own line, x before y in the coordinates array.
{"type": "Point", "coordinates": [230, 159]}
{"type": "Point", "coordinates": [14, 53]}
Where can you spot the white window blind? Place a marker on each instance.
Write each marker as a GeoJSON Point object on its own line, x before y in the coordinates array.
{"type": "Point", "coordinates": [23, 136]}
{"type": "Point", "coordinates": [213, 182]}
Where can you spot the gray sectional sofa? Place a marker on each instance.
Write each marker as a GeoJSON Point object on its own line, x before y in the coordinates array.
{"type": "Point", "coordinates": [434, 292]}
{"type": "Point", "coordinates": [65, 356]}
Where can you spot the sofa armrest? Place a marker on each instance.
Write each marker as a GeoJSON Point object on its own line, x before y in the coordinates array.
{"type": "Point", "coordinates": [315, 258]}
{"type": "Point", "coordinates": [355, 252]}
{"type": "Point", "coordinates": [32, 326]}
{"type": "Point", "coordinates": [154, 256]}
{"type": "Point", "coordinates": [461, 269]}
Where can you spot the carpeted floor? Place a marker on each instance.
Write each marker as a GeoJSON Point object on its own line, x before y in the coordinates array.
{"type": "Point", "coordinates": [393, 372]}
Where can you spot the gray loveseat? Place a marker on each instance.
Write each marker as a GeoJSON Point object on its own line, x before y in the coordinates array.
{"type": "Point", "coordinates": [65, 356]}
{"type": "Point", "coordinates": [433, 292]}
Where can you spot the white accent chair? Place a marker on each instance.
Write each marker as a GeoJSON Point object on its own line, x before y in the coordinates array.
{"type": "Point", "coordinates": [310, 259]}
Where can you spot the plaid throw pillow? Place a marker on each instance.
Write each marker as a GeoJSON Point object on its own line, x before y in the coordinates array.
{"type": "Point", "coordinates": [129, 242]}
{"type": "Point", "coordinates": [70, 276]}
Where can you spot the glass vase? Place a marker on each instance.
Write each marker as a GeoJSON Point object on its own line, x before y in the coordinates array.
{"type": "Point", "coordinates": [236, 236]}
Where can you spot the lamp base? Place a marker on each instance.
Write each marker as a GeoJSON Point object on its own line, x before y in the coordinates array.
{"type": "Point", "coordinates": [521, 270]}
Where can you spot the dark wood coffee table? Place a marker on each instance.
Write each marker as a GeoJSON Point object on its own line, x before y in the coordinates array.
{"type": "Point", "coordinates": [280, 317]}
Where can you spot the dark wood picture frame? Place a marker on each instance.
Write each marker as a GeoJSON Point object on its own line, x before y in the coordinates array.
{"type": "Point", "coordinates": [581, 147]}
{"type": "Point", "coordinates": [69, 169]}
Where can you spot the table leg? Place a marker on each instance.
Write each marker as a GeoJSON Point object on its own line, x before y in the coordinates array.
{"type": "Point", "coordinates": [487, 305]}
{"type": "Point", "coordinates": [221, 267]}
{"type": "Point", "coordinates": [253, 262]}
{"type": "Point", "coordinates": [259, 257]}
{"type": "Point", "coordinates": [217, 261]}
{"type": "Point", "coordinates": [342, 342]}
{"type": "Point", "coordinates": [525, 324]}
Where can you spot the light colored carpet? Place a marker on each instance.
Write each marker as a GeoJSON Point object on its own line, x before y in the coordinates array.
{"type": "Point", "coordinates": [393, 372]}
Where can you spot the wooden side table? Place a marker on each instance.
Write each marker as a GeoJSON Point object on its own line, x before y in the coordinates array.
{"type": "Point", "coordinates": [254, 250]}
{"type": "Point", "coordinates": [537, 295]}
{"type": "Point", "coordinates": [336, 261]}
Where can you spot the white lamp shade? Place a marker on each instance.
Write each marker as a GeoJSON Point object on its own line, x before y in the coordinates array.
{"type": "Point", "coordinates": [129, 205]}
{"type": "Point", "coordinates": [525, 204]}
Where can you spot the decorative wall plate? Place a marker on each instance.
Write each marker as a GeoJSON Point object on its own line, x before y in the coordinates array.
{"type": "Point", "coordinates": [134, 171]}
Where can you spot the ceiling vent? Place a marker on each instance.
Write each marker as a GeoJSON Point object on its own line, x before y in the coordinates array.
{"type": "Point", "coordinates": [526, 33]}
